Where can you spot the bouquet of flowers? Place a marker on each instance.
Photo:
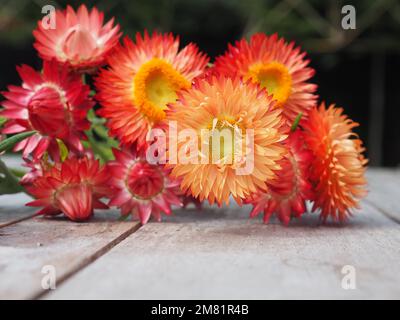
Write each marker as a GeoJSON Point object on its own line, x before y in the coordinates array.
{"type": "Point", "coordinates": [146, 125]}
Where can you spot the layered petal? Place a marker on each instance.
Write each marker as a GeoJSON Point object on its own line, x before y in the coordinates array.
{"type": "Point", "coordinates": [74, 187]}
{"type": "Point", "coordinates": [288, 192]}
{"type": "Point", "coordinates": [245, 158]}
{"type": "Point", "coordinates": [143, 77]}
{"type": "Point", "coordinates": [278, 66]}
{"type": "Point", "coordinates": [54, 103]}
{"type": "Point", "coordinates": [80, 39]}
{"type": "Point", "coordinates": [141, 189]}
{"type": "Point", "coordinates": [338, 165]}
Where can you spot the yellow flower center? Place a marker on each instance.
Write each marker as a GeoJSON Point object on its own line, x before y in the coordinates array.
{"type": "Point", "coordinates": [274, 77]}
{"type": "Point", "coordinates": [224, 140]}
{"type": "Point", "coordinates": [156, 85]}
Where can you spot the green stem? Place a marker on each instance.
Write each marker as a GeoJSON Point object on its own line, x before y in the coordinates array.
{"type": "Point", "coordinates": [296, 122]}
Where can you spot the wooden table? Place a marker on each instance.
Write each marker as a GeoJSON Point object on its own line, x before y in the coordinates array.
{"type": "Point", "coordinates": [214, 253]}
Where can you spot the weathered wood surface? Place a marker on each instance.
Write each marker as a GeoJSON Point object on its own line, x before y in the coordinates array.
{"type": "Point", "coordinates": [384, 191]}
{"type": "Point", "coordinates": [13, 209]}
{"type": "Point", "coordinates": [223, 255]}
{"type": "Point", "coordinates": [28, 246]}
{"type": "Point", "coordinates": [216, 253]}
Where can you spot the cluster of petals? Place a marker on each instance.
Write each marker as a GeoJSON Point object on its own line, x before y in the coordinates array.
{"type": "Point", "coordinates": [74, 187]}
{"type": "Point", "coordinates": [288, 192]}
{"type": "Point", "coordinates": [260, 86]}
{"type": "Point", "coordinates": [54, 103]}
{"type": "Point", "coordinates": [79, 39]}
{"type": "Point", "coordinates": [141, 189]}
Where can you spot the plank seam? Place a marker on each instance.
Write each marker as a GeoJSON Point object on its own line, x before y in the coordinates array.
{"type": "Point", "coordinates": [10, 223]}
{"type": "Point", "coordinates": [383, 211]}
{"type": "Point", "coordinates": [89, 260]}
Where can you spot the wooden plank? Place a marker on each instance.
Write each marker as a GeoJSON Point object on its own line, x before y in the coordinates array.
{"type": "Point", "coordinates": [13, 210]}
{"type": "Point", "coordinates": [26, 247]}
{"type": "Point", "coordinates": [12, 206]}
{"type": "Point", "coordinates": [384, 191]}
{"type": "Point", "coordinates": [220, 254]}
{"type": "Point", "coordinates": [13, 161]}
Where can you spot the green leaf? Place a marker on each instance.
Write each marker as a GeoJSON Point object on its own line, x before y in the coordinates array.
{"type": "Point", "coordinates": [63, 149]}
{"type": "Point", "coordinates": [296, 122]}
{"type": "Point", "coordinates": [101, 131]}
{"type": "Point", "coordinates": [2, 121]}
{"type": "Point", "coordinates": [11, 141]}
{"type": "Point", "coordinates": [9, 183]}
{"type": "Point", "coordinates": [17, 172]}
{"type": "Point", "coordinates": [96, 147]}
{"type": "Point", "coordinates": [91, 115]}
{"type": "Point", "coordinates": [98, 138]}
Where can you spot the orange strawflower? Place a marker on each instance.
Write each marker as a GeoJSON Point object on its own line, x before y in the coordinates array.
{"type": "Point", "coordinates": [338, 166]}
{"type": "Point", "coordinates": [215, 105]}
{"type": "Point", "coordinates": [276, 65]}
{"type": "Point", "coordinates": [142, 79]}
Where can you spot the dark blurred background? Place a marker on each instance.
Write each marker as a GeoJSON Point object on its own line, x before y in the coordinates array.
{"type": "Point", "coordinates": [356, 69]}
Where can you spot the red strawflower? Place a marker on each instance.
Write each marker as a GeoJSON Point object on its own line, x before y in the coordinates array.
{"type": "Point", "coordinates": [142, 189]}
{"type": "Point", "coordinates": [142, 79]}
{"type": "Point", "coordinates": [276, 65]}
{"type": "Point", "coordinates": [73, 187]}
{"type": "Point", "coordinates": [79, 38]}
{"type": "Point", "coordinates": [54, 103]}
{"type": "Point", "coordinates": [290, 189]}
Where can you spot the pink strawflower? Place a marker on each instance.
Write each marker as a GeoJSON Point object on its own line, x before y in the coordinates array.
{"type": "Point", "coordinates": [79, 38]}
{"type": "Point", "coordinates": [140, 188]}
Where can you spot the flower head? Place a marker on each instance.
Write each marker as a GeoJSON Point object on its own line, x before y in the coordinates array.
{"type": "Point", "coordinates": [142, 79]}
{"type": "Point", "coordinates": [140, 188]}
{"type": "Point", "coordinates": [287, 193]}
{"type": "Point", "coordinates": [275, 65]}
{"type": "Point", "coordinates": [252, 133]}
{"type": "Point", "coordinates": [78, 38]}
{"type": "Point", "coordinates": [338, 166]}
{"type": "Point", "coordinates": [54, 103]}
{"type": "Point", "coordinates": [73, 187]}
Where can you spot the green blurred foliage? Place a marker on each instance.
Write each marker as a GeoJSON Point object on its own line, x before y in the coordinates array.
{"type": "Point", "coordinates": [212, 23]}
